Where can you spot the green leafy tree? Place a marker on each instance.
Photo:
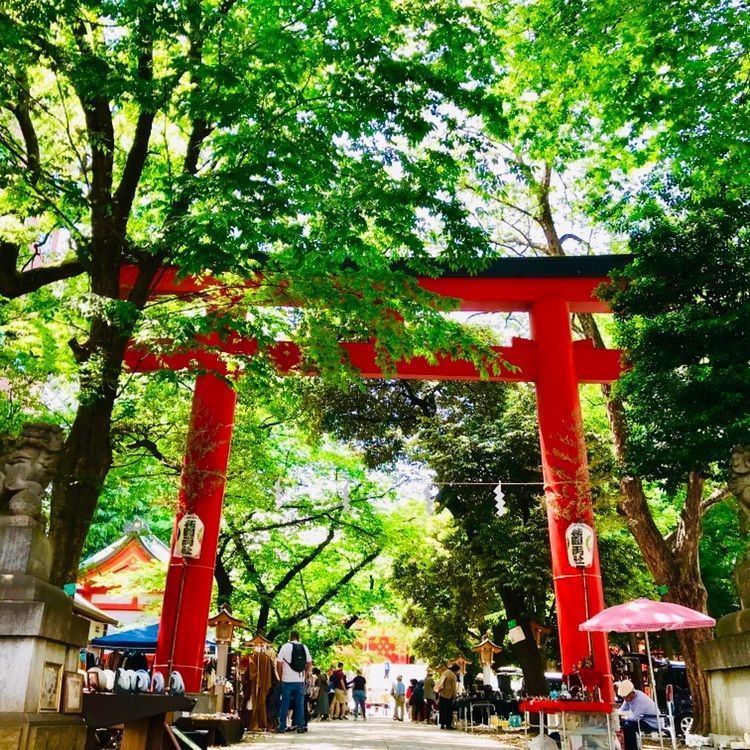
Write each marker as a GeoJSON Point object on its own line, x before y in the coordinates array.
{"type": "Point", "coordinates": [217, 136]}
{"type": "Point", "coordinates": [470, 435]}
{"type": "Point", "coordinates": [607, 104]}
{"type": "Point", "coordinates": [306, 534]}
{"type": "Point", "coordinates": [682, 309]}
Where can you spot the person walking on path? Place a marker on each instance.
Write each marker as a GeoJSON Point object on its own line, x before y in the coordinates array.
{"type": "Point", "coordinates": [321, 700]}
{"type": "Point", "coordinates": [338, 704]}
{"type": "Point", "coordinates": [359, 693]}
{"type": "Point", "coordinates": [429, 696]}
{"type": "Point", "coordinates": [447, 688]}
{"type": "Point", "coordinates": [398, 693]}
{"type": "Point", "coordinates": [293, 664]}
{"type": "Point", "coordinates": [416, 702]}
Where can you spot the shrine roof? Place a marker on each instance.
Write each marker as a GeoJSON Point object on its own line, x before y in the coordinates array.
{"type": "Point", "coordinates": [85, 608]}
{"type": "Point", "coordinates": [137, 534]}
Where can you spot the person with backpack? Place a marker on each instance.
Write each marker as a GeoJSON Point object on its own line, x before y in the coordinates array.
{"type": "Point", "coordinates": [293, 664]}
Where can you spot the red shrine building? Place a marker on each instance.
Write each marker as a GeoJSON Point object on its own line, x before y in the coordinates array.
{"type": "Point", "coordinates": [136, 547]}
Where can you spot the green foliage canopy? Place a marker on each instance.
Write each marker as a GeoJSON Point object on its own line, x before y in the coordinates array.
{"type": "Point", "coordinates": [683, 308]}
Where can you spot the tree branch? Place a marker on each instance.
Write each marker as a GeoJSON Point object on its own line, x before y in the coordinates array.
{"type": "Point", "coordinates": [301, 564]}
{"type": "Point", "coordinates": [332, 591]}
{"type": "Point", "coordinates": [247, 561]}
{"type": "Point", "coordinates": [15, 283]}
{"type": "Point", "coordinates": [714, 498]}
{"type": "Point", "coordinates": [136, 160]}
{"type": "Point", "coordinates": [22, 112]}
{"type": "Point", "coordinates": [101, 138]}
{"type": "Point", "coordinates": [151, 447]}
{"type": "Point", "coordinates": [287, 524]}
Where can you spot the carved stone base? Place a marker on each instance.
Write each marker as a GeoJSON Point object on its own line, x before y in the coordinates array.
{"type": "Point", "coordinates": [726, 661]}
{"type": "Point", "coordinates": [42, 732]}
{"type": "Point", "coordinates": [39, 641]}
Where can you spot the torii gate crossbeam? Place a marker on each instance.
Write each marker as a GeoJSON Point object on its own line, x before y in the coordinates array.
{"type": "Point", "coordinates": [549, 290]}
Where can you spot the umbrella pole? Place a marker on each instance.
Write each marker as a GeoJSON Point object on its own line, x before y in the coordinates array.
{"type": "Point", "coordinates": [653, 688]}
{"type": "Point", "coordinates": [651, 671]}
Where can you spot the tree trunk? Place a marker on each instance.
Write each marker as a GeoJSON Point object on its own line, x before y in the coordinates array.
{"type": "Point", "coordinates": [673, 562]}
{"type": "Point", "coordinates": [692, 593]}
{"type": "Point", "coordinates": [84, 463]}
{"type": "Point", "coordinates": [87, 455]}
{"type": "Point", "coordinates": [697, 679]}
{"type": "Point", "coordinates": [526, 652]}
{"type": "Point", "coordinates": [224, 586]}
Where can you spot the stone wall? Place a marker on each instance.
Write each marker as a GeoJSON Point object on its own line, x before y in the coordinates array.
{"type": "Point", "coordinates": [727, 663]}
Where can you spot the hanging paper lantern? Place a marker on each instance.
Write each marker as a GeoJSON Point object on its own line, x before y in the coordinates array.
{"type": "Point", "coordinates": [579, 540]}
{"type": "Point", "coordinates": [189, 536]}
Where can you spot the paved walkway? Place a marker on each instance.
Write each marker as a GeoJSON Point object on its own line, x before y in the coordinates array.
{"type": "Point", "coordinates": [374, 734]}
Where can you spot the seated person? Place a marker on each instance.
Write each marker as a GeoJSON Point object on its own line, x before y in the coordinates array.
{"type": "Point", "coordinates": [638, 707]}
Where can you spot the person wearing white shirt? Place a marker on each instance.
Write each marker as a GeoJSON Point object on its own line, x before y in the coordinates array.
{"type": "Point", "coordinates": [292, 683]}
{"type": "Point", "coordinates": [639, 709]}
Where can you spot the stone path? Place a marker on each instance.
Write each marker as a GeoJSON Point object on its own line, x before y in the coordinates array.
{"type": "Point", "coordinates": [374, 734]}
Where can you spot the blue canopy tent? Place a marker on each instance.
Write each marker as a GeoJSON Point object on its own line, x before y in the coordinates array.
{"type": "Point", "coordinates": [140, 639]}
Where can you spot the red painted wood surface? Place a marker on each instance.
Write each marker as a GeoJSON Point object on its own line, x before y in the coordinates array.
{"type": "Point", "coordinates": [551, 360]}
{"type": "Point", "coordinates": [187, 595]}
{"type": "Point", "coordinates": [591, 365]}
{"type": "Point", "coordinates": [578, 591]}
{"type": "Point", "coordinates": [476, 294]}
{"type": "Point", "coordinates": [549, 706]}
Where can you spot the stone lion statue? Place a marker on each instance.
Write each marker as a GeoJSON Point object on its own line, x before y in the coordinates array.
{"type": "Point", "coordinates": [739, 477]}
{"type": "Point", "coordinates": [739, 484]}
{"type": "Point", "coordinates": [28, 468]}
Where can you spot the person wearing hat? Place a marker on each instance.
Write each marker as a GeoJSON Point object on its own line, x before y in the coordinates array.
{"type": "Point", "coordinates": [447, 688]}
{"type": "Point", "coordinates": [640, 710]}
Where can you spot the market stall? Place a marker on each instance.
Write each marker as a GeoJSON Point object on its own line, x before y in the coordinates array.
{"type": "Point", "coordinates": [581, 724]}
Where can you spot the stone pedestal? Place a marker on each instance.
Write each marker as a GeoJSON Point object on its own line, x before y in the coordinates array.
{"type": "Point", "coordinates": [39, 641]}
{"type": "Point", "coordinates": [726, 661]}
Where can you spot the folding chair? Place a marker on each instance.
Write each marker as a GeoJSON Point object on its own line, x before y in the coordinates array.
{"type": "Point", "coordinates": [665, 724]}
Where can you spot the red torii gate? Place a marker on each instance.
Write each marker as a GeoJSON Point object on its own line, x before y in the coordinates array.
{"type": "Point", "coordinates": [549, 290]}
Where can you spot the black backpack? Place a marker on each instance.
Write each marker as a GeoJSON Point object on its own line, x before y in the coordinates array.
{"type": "Point", "coordinates": [299, 658]}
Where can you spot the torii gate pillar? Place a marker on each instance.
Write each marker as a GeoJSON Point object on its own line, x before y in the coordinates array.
{"type": "Point", "coordinates": [187, 595]}
{"type": "Point", "coordinates": [578, 591]}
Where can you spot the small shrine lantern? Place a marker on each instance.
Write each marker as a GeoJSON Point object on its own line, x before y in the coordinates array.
{"type": "Point", "coordinates": [486, 650]}
{"type": "Point", "coordinates": [225, 625]}
{"type": "Point", "coordinates": [540, 632]}
{"type": "Point", "coordinates": [257, 643]}
{"type": "Point", "coordinates": [461, 661]}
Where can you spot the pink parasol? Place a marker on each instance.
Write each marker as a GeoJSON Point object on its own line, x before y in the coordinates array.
{"type": "Point", "coordinates": [648, 616]}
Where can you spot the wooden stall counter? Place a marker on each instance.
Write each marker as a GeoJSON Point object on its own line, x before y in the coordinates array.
{"type": "Point", "coordinates": [582, 725]}
{"type": "Point", "coordinates": [551, 706]}
{"type": "Point", "coordinates": [142, 716]}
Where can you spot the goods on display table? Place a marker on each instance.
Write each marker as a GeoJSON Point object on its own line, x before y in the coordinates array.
{"type": "Point", "coordinates": [581, 724]}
